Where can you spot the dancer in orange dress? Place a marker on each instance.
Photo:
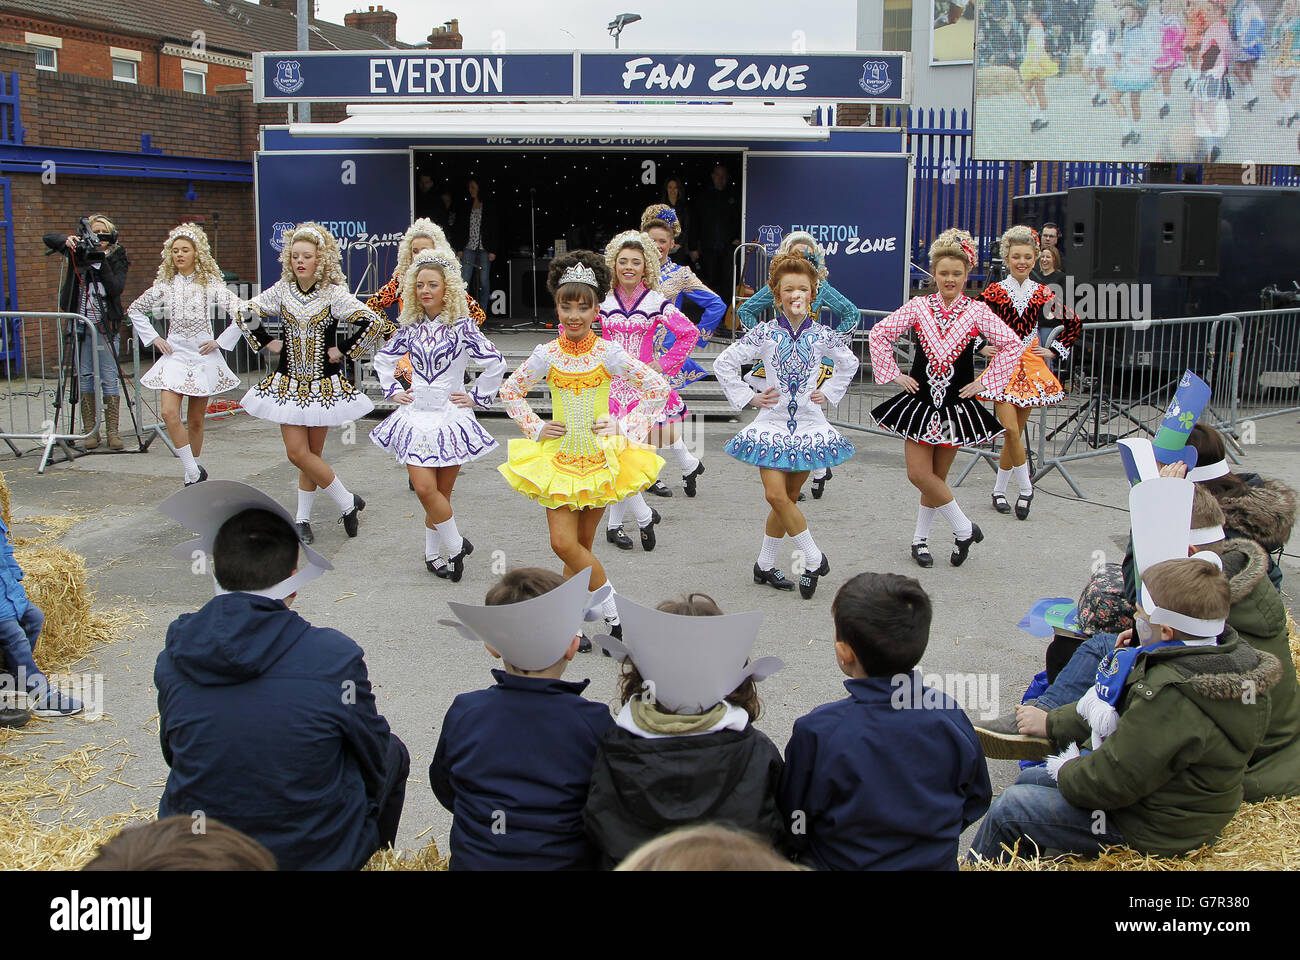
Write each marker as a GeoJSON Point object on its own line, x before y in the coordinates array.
{"type": "Point", "coordinates": [1024, 305]}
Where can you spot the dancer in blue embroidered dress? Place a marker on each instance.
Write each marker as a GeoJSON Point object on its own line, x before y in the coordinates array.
{"type": "Point", "coordinates": [790, 436]}
{"type": "Point", "coordinates": [433, 430]}
{"type": "Point", "coordinates": [842, 309]}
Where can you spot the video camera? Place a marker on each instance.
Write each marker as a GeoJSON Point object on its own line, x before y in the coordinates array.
{"type": "Point", "coordinates": [1273, 297]}
{"type": "Point", "coordinates": [86, 249]}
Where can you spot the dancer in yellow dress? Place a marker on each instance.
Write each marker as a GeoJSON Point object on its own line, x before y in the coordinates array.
{"type": "Point", "coordinates": [1037, 66]}
{"type": "Point", "coordinates": [584, 459]}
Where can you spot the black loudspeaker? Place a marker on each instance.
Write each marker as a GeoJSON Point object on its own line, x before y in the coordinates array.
{"type": "Point", "coordinates": [528, 293]}
{"type": "Point", "coordinates": [1189, 234]}
{"type": "Point", "coordinates": [1101, 234]}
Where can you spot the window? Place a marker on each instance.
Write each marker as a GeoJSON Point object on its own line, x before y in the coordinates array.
{"type": "Point", "coordinates": [194, 82]}
{"type": "Point", "coordinates": [46, 48]}
{"type": "Point", "coordinates": [896, 32]}
{"type": "Point", "coordinates": [124, 70]}
{"type": "Point", "coordinates": [47, 58]}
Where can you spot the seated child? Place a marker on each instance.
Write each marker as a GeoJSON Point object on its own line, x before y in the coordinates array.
{"type": "Point", "coordinates": [20, 628]}
{"type": "Point", "coordinates": [706, 847]}
{"type": "Point", "coordinates": [1172, 725]}
{"type": "Point", "coordinates": [684, 749]}
{"type": "Point", "coordinates": [173, 844]}
{"type": "Point", "coordinates": [868, 785]}
{"type": "Point", "coordinates": [267, 722]}
{"type": "Point", "coordinates": [513, 761]}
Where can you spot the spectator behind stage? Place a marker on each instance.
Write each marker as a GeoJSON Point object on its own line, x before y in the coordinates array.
{"type": "Point", "coordinates": [182, 843]}
{"type": "Point", "coordinates": [267, 722]}
{"type": "Point", "coordinates": [1048, 271]}
{"type": "Point", "coordinates": [717, 230]}
{"type": "Point", "coordinates": [674, 194]}
{"type": "Point", "coordinates": [445, 215]}
{"type": "Point", "coordinates": [481, 232]}
{"type": "Point", "coordinates": [513, 761]}
{"type": "Point", "coordinates": [426, 197]}
{"type": "Point", "coordinates": [1051, 237]}
{"type": "Point", "coordinates": [888, 777]}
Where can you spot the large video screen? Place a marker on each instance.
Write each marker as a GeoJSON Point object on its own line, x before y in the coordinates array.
{"type": "Point", "coordinates": [1190, 81]}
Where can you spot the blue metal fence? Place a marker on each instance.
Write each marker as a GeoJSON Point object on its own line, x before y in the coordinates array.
{"type": "Point", "coordinates": [952, 188]}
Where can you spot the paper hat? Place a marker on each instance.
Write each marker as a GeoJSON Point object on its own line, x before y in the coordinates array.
{"type": "Point", "coordinates": [691, 663]}
{"type": "Point", "coordinates": [532, 634]}
{"type": "Point", "coordinates": [1190, 400]}
{"type": "Point", "coordinates": [1192, 626]}
{"type": "Point", "coordinates": [1139, 459]}
{"type": "Point", "coordinates": [204, 507]}
{"type": "Point", "coordinates": [1160, 511]}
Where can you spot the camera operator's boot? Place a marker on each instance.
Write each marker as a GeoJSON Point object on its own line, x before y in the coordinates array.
{"type": "Point", "coordinates": [111, 409]}
{"type": "Point", "coordinates": [89, 421]}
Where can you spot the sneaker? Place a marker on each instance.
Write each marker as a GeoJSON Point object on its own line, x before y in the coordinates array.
{"type": "Point", "coordinates": [659, 490]}
{"type": "Point", "coordinates": [688, 479]}
{"type": "Point", "coordinates": [55, 704]}
{"type": "Point", "coordinates": [808, 579]}
{"type": "Point", "coordinates": [304, 531]}
{"type": "Point", "coordinates": [352, 519]}
{"type": "Point", "coordinates": [1002, 740]}
{"type": "Point", "coordinates": [773, 578]}
{"type": "Point", "coordinates": [618, 538]}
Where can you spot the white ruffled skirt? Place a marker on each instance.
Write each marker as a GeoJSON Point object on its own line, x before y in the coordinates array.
{"type": "Point", "coordinates": [189, 372]}
{"type": "Point", "coordinates": [432, 432]}
{"type": "Point", "coordinates": [327, 402]}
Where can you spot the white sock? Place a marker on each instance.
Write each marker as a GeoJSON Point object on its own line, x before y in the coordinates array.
{"type": "Point", "coordinates": [617, 511]}
{"type": "Point", "coordinates": [431, 549]}
{"type": "Point", "coordinates": [1004, 477]}
{"type": "Point", "coordinates": [1022, 477]}
{"type": "Point", "coordinates": [819, 473]}
{"type": "Point", "coordinates": [187, 460]}
{"type": "Point", "coordinates": [960, 523]}
{"type": "Point", "coordinates": [305, 499]}
{"type": "Point", "coordinates": [640, 509]}
{"type": "Point", "coordinates": [452, 541]}
{"type": "Point", "coordinates": [685, 459]}
{"type": "Point", "coordinates": [812, 557]}
{"type": "Point", "coordinates": [767, 553]}
{"type": "Point", "coordinates": [609, 608]}
{"type": "Point", "coordinates": [924, 519]}
{"type": "Point", "coordinates": [340, 495]}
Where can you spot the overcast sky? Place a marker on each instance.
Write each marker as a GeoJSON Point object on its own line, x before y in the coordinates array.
{"type": "Point", "coordinates": [708, 25]}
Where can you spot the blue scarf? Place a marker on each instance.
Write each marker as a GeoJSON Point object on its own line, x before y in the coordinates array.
{"type": "Point", "coordinates": [1113, 671]}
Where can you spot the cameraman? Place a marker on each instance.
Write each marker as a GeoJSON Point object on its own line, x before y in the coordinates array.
{"type": "Point", "coordinates": [106, 264]}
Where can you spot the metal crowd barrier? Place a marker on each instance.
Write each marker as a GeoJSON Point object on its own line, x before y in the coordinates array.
{"type": "Point", "coordinates": [1269, 381]}
{"type": "Point", "coordinates": [39, 389]}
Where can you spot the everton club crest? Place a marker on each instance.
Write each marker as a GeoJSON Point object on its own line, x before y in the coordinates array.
{"type": "Point", "coordinates": [875, 77]}
{"type": "Point", "coordinates": [280, 234]}
{"type": "Point", "coordinates": [288, 76]}
{"type": "Point", "coordinates": [770, 237]}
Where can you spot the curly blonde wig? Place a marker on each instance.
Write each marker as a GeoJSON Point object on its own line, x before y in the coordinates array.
{"type": "Point", "coordinates": [790, 240]}
{"type": "Point", "coordinates": [657, 211]}
{"type": "Point", "coordinates": [1018, 236]}
{"type": "Point", "coordinates": [640, 242]}
{"type": "Point", "coordinates": [956, 243]}
{"type": "Point", "coordinates": [206, 271]}
{"type": "Point", "coordinates": [329, 259]}
{"type": "Point", "coordinates": [424, 227]}
{"type": "Point", "coordinates": [455, 304]}
{"type": "Point", "coordinates": [787, 262]}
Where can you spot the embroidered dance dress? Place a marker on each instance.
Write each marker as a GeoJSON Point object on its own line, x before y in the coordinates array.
{"type": "Point", "coordinates": [635, 327]}
{"type": "Point", "coordinates": [1137, 50]}
{"type": "Point", "coordinates": [675, 283]}
{"type": "Point", "coordinates": [185, 304]}
{"type": "Point", "coordinates": [580, 469]}
{"type": "Point", "coordinates": [1021, 307]}
{"type": "Point", "coordinates": [794, 434]}
{"type": "Point", "coordinates": [391, 293]}
{"type": "Point", "coordinates": [431, 431]}
{"type": "Point", "coordinates": [841, 307]}
{"type": "Point", "coordinates": [306, 388]}
{"type": "Point", "coordinates": [936, 414]}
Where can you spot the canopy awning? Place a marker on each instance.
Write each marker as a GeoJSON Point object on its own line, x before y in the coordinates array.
{"type": "Point", "coordinates": [673, 121]}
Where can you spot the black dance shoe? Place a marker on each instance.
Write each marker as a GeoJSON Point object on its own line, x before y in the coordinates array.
{"type": "Point", "coordinates": [584, 645]}
{"type": "Point", "coordinates": [304, 531]}
{"type": "Point", "coordinates": [819, 484]}
{"type": "Point", "coordinates": [658, 489]}
{"type": "Point", "coordinates": [1000, 503]}
{"type": "Point", "coordinates": [203, 475]}
{"type": "Point", "coordinates": [457, 563]}
{"type": "Point", "coordinates": [352, 519]}
{"type": "Point", "coordinates": [773, 578]}
{"type": "Point", "coordinates": [618, 538]}
{"type": "Point", "coordinates": [962, 547]}
{"type": "Point", "coordinates": [808, 579]}
{"type": "Point", "coordinates": [1022, 505]}
{"type": "Point", "coordinates": [648, 531]}
{"type": "Point", "coordinates": [440, 570]}
{"type": "Point", "coordinates": [921, 554]}
{"type": "Point", "coordinates": [689, 479]}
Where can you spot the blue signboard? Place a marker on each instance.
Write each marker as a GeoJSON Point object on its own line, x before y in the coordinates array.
{"type": "Point", "coordinates": [836, 77]}
{"type": "Point", "coordinates": [394, 75]}
{"type": "Point", "coordinates": [855, 205]}
{"type": "Point", "coordinates": [355, 195]}
{"type": "Point", "coordinates": [424, 75]}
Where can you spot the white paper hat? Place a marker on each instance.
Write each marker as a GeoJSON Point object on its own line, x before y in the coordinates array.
{"type": "Point", "coordinates": [1160, 511]}
{"type": "Point", "coordinates": [532, 634]}
{"type": "Point", "coordinates": [204, 507]}
{"type": "Point", "coordinates": [691, 663]}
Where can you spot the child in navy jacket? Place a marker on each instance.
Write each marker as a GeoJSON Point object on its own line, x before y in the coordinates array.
{"type": "Point", "coordinates": [513, 761]}
{"type": "Point", "coordinates": [888, 777]}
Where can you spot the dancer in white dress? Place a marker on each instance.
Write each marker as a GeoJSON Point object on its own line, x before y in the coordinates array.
{"type": "Point", "coordinates": [433, 431]}
{"type": "Point", "coordinates": [307, 394]}
{"type": "Point", "coordinates": [187, 293]}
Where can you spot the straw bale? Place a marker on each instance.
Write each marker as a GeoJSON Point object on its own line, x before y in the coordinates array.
{"type": "Point", "coordinates": [426, 858]}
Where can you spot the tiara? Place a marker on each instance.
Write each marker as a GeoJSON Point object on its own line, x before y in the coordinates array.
{"type": "Point", "coordinates": [426, 257]}
{"type": "Point", "coordinates": [580, 273]}
{"type": "Point", "coordinates": [311, 232]}
{"type": "Point", "coordinates": [184, 230]}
